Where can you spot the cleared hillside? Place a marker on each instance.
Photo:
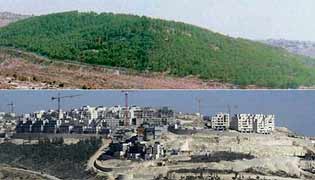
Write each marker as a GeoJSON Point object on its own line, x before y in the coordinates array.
{"type": "Point", "coordinates": [24, 70]}
{"type": "Point", "coordinates": [146, 44]}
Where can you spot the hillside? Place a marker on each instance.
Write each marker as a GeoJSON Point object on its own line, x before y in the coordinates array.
{"type": "Point", "coordinates": [305, 48]}
{"type": "Point", "coordinates": [24, 70]}
{"type": "Point", "coordinates": [152, 45]}
{"type": "Point", "coordinates": [7, 18]}
{"type": "Point", "coordinates": [66, 161]}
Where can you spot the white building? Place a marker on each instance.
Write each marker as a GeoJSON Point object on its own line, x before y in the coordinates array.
{"type": "Point", "coordinates": [115, 109]}
{"type": "Point", "coordinates": [243, 123]}
{"type": "Point", "coordinates": [39, 114]}
{"type": "Point", "coordinates": [264, 124]}
{"type": "Point", "coordinates": [1, 115]}
{"type": "Point", "coordinates": [90, 113]}
{"type": "Point", "coordinates": [250, 123]}
{"type": "Point", "coordinates": [220, 121]}
{"type": "Point", "coordinates": [158, 150]}
{"type": "Point", "coordinates": [135, 117]}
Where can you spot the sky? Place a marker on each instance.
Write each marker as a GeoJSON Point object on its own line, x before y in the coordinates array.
{"type": "Point", "coordinates": [252, 19]}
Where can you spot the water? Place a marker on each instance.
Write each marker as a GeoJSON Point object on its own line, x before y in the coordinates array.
{"type": "Point", "coordinates": [293, 109]}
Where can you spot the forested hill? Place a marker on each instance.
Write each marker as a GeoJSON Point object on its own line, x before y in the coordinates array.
{"type": "Point", "coordinates": [146, 44]}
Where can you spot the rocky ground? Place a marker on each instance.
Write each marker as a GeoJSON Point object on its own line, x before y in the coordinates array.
{"type": "Point", "coordinates": [276, 156]}
{"type": "Point", "coordinates": [27, 71]}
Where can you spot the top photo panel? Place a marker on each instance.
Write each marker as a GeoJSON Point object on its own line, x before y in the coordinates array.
{"type": "Point", "coordinates": [157, 44]}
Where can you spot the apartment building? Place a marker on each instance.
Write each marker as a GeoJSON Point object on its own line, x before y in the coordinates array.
{"type": "Point", "coordinates": [220, 121]}
{"type": "Point", "coordinates": [264, 124]}
{"type": "Point", "coordinates": [89, 119]}
{"type": "Point", "coordinates": [243, 123]}
{"type": "Point", "coordinates": [253, 123]}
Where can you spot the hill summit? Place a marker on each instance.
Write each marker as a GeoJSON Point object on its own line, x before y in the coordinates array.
{"type": "Point", "coordinates": [146, 44]}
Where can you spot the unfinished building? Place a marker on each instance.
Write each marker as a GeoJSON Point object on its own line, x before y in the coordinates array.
{"type": "Point", "coordinates": [243, 123]}
{"type": "Point", "coordinates": [220, 121]}
{"type": "Point", "coordinates": [253, 123]}
{"type": "Point", "coordinates": [264, 124]}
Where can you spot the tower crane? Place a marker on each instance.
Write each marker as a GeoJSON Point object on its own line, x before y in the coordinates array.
{"type": "Point", "coordinates": [228, 107]}
{"type": "Point", "coordinates": [126, 92]}
{"type": "Point", "coordinates": [199, 106]}
{"type": "Point", "coordinates": [11, 105]}
{"type": "Point", "coordinates": [59, 98]}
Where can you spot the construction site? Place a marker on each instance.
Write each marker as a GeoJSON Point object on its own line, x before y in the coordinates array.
{"type": "Point", "coordinates": [227, 155]}
{"type": "Point", "coordinates": [161, 143]}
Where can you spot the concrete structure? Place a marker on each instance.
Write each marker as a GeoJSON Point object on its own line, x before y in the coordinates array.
{"type": "Point", "coordinates": [2, 114]}
{"type": "Point", "coordinates": [264, 124]}
{"type": "Point", "coordinates": [250, 123]}
{"type": "Point", "coordinates": [243, 123]}
{"type": "Point", "coordinates": [220, 121]}
{"type": "Point", "coordinates": [133, 149]}
{"type": "Point", "coordinates": [112, 122]}
{"type": "Point", "coordinates": [90, 120]}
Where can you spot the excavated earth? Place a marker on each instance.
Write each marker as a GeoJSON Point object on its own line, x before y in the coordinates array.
{"type": "Point", "coordinates": [276, 156]}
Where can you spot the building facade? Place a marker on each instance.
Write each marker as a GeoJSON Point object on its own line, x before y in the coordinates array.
{"type": "Point", "coordinates": [243, 123]}
{"type": "Point", "coordinates": [264, 124]}
{"type": "Point", "coordinates": [220, 121]}
{"type": "Point", "coordinates": [253, 123]}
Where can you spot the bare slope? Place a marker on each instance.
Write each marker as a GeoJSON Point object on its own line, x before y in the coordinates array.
{"type": "Point", "coordinates": [19, 70]}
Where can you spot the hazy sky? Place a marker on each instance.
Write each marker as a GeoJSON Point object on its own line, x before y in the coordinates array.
{"type": "Point", "coordinates": [254, 19]}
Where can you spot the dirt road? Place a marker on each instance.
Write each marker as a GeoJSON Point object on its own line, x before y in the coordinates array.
{"type": "Point", "coordinates": [90, 165]}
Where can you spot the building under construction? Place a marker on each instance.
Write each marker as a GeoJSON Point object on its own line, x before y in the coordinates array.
{"type": "Point", "coordinates": [91, 120]}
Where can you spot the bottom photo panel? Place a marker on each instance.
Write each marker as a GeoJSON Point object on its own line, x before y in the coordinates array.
{"type": "Point", "coordinates": [169, 134]}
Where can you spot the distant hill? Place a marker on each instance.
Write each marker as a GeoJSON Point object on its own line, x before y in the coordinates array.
{"type": "Point", "coordinates": [153, 45]}
{"type": "Point", "coordinates": [7, 17]}
{"type": "Point", "coordinates": [305, 48]}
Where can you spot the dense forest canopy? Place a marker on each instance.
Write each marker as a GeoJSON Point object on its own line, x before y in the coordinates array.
{"type": "Point", "coordinates": [146, 44]}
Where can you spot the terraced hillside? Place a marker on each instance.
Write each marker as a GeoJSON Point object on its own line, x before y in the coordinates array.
{"type": "Point", "coordinates": [151, 45]}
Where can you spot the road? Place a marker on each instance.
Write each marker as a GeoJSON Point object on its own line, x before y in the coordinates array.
{"type": "Point", "coordinates": [90, 164]}
{"type": "Point", "coordinates": [44, 175]}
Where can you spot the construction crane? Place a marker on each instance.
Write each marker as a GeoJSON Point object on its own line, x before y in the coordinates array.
{"type": "Point", "coordinates": [11, 105]}
{"type": "Point", "coordinates": [199, 106]}
{"type": "Point", "coordinates": [126, 93]}
{"type": "Point", "coordinates": [198, 121]}
{"type": "Point", "coordinates": [228, 107]}
{"type": "Point", "coordinates": [59, 98]}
